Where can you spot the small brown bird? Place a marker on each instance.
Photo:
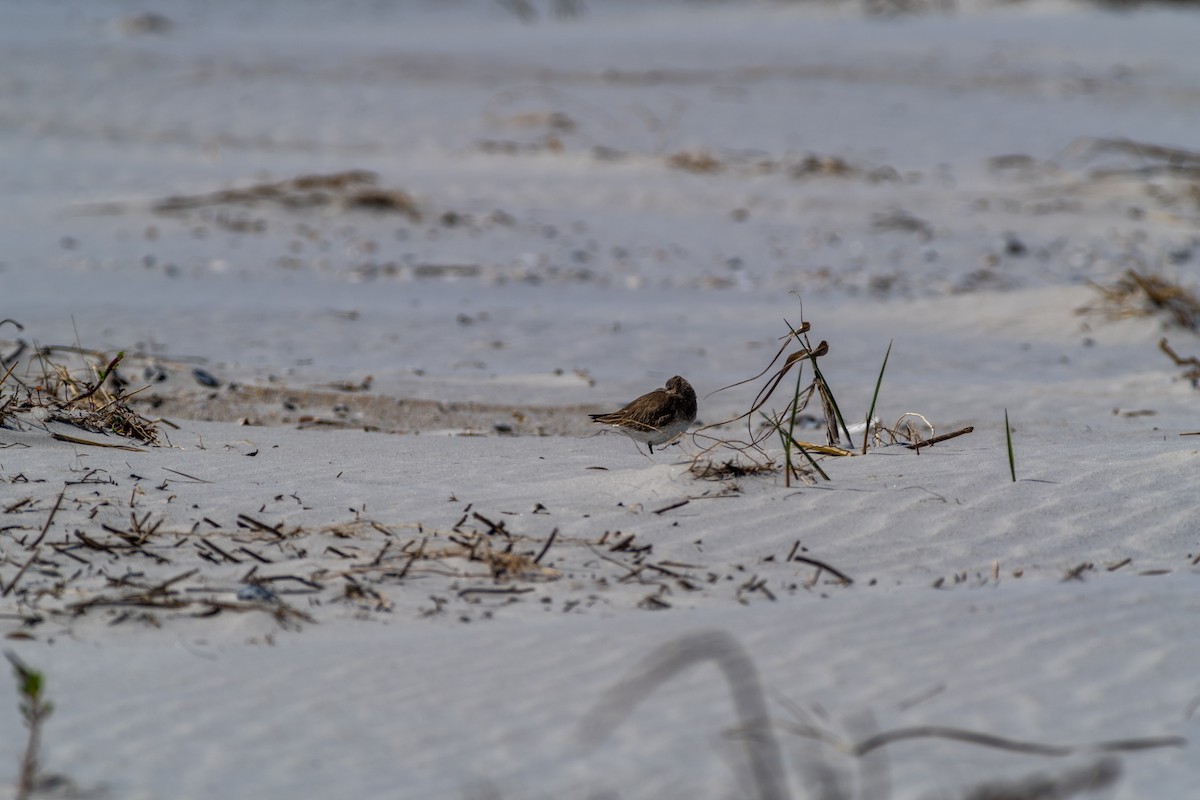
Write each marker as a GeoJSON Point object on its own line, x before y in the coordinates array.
{"type": "Point", "coordinates": [657, 417]}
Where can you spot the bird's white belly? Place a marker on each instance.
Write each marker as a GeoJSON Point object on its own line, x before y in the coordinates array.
{"type": "Point", "coordinates": [658, 435]}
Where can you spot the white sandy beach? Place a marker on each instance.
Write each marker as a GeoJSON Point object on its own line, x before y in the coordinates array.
{"type": "Point", "coordinates": [372, 266]}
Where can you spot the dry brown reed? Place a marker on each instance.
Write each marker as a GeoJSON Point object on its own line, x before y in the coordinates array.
{"type": "Point", "coordinates": [92, 396]}
{"type": "Point", "coordinates": [352, 190]}
{"type": "Point", "coordinates": [1143, 294]}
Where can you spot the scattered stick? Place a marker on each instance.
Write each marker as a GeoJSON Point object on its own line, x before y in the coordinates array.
{"type": "Point", "coordinates": [671, 507]}
{"type": "Point", "coordinates": [633, 571]}
{"type": "Point", "coordinates": [65, 549]}
{"type": "Point", "coordinates": [755, 584]}
{"type": "Point", "coordinates": [1076, 573]}
{"type": "Point", "coordinates": [549, 541]}
{"type": "Point", "coordinates": [49, 519]}
{"type": "Point", "coordinates": [255, 556]}
{"type": "Point", "coordinates": [926, 442]}
{"type": "Point", "coordinates": [412, 559]}
{"type": "Point", "coordinates": [92, 543]}
{"type": "Point", "coordinates": [495, 590]}
{"type": "Point", "coordinates": [134, 542]}
{"type": "Point", "coordinates": [250, 522]}
{"type": "Point", "coordinates": [36, 546]}
{"type": "Point", "coordinates": [493, 527]}
{"type": "Point", "coordinates": [375, 562]}
{"type": "Point", "coordinates": [219, 551]}
{"type": "Point", "coordinates": [1011, 745]}
{"type": "Point", "coordinates": [1191, 362]}
{"type": "Point", "coordinates": [821, 565]}
{"type": "Point", "coordinates": [296, 578]}
{"type": "Point", "coordinates": [185, 475]}
{"type": "Point", "coordinates": [62, 437]}
{"type": "Point", "coordinates": [161, 588]}
{"type": "Point", "coordinates": [100, 378]}
{"type": "Point", "coordinates": [792, 552]}
{"type": "Point", "coordinates": [13, 583]}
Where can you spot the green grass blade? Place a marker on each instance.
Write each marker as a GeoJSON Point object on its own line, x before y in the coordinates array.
{"type": "Point", "coordinates": [874, 397]}
{"type": "Point", "coordinates": [787, 453]}
{"type": "Point", "coordinates": [795, 409]}
{"type": "Point", "coordinates": [793, 443]}
{"type": "Point", "coordinates": [1012, 463]}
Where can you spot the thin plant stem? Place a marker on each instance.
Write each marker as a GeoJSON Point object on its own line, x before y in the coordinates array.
{"type": "Point", "coordinates": [837, 412]}
{"type": "Point", "coordinates": [792, 427]}
{"type": "Point", "coordinates": [1012, 464]}
{"type": "Point", "coordinates": [803, 451]}
{"type": "Point", "coordinates": [874, 397]}
{"type": "Point", "coordinates": [787, 455]}
{"type": "Point", "coordinates": [35, 709]}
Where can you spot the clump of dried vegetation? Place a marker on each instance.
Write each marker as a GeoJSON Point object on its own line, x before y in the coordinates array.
{"type": "Point", "coordinates": [1143, 294]}
{"type": "Point", "coordinates": [1169, 176]}
{"type": "Point", "coordinates": [91, 396]}
{"type": "Point", "coordinates": [798, 460]}
{"type": "Point", "coordinates": [699, 161]}
{"type": "Point", "coordinates": [811, 165]}
{"type": "Point", "coordinates": [351, 190]}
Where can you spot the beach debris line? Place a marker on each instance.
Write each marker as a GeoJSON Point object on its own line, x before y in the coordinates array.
{"type": "Point", "coordinates": [1150, 159]}
{"type": "Point", "coordinates": [83, 563]}
{"type": "Point", "coordinates": [136, 398]}
{"type": "Point", "coordinates": [352, 190]}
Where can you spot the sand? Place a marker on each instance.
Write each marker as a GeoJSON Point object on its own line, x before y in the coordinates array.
{"type": "Point", "coordinates": [369, 269]}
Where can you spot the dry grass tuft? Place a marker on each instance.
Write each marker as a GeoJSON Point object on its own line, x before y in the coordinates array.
{"type": "Point", "coordinates": [1150, 158]}
{"type": "Point", "coordinates": [1141, 294]}
{"type": "Point", "coordinates": [823, 166]}
{"type": "Point", "coordinates": [91, 397]}
{"type": "Point", "coordinates": [351, 190]}
{"type": "Point", "coordinates": [782, 424]}
{"type": "Point", "coordinates": [710, 470]}
{"type": "Point", "coordinates": [383, 200]}
{"type": "Point", "coordinates": [799, 458]}
{"type": "Point", "coordinates": [698, 161]}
